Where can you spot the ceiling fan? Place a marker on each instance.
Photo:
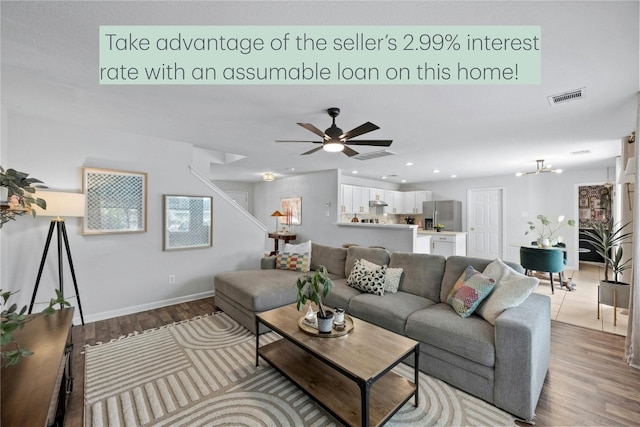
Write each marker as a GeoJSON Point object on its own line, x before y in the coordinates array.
{"type": "Point", "coordinates": [540, 168]}
{"type": "Point", "coordinates": [334, 140]}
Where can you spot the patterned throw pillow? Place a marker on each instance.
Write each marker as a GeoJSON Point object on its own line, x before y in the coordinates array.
{"type": "Point", "coordinates": [371, 281]}
{"type": "Point", "coordinates": [391, 279]}
{"type": "Point", "coordinates": [296, 262]}
{"type": "Point", "coordinates": [470, 289]}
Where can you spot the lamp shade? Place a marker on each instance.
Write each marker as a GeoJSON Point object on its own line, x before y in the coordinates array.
{"type": "Point", "coordinates": [277, 213]}
{"type": "Point", "coordinates": [630, 171]}
{"type": "Point", "coordinates": [60, 204]}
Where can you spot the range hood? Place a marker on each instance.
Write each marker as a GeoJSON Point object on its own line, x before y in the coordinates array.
{"type": "Point", "coordinates": [377, 203]}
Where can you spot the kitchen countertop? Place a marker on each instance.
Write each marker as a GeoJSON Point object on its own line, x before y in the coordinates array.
{"type": "Point", "coordinates": [446, 233]}
{"type": "Point", "coordinates": [376, 225]}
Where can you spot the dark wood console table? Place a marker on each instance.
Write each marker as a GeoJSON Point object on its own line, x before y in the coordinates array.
{"type": "Point", "coordinates": [287, 237]}
{"type": "Point", "coordinates": [35, 391]}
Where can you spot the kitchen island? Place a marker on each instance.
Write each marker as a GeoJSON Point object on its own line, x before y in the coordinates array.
{"type": "Point", "coordinates": [395, 237]}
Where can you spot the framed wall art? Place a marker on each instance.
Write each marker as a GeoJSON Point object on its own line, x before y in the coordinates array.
{"type": "Point", "coordinates": [187, 222]}
{"type": "Point", "coordinates": [599, 214]}
{"type": "Point", "coordinates": [291, 207]}
{"type": "Point", "coordinates": [116, 201]}
{"type": "Point", "coordinates": [585, 213]}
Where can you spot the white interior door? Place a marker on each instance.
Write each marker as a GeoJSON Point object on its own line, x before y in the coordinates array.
{"type": "Point", "coordinates": [486, 222]}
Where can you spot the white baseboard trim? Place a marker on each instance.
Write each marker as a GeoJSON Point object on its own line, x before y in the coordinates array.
{"type": "Point", "coordinates": [138, 308]}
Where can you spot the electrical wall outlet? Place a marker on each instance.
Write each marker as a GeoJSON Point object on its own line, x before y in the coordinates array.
{"type": "Point", "coordinates": [172, 279]}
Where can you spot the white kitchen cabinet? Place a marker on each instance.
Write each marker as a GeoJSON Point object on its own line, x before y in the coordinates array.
{"type": "Point", "coordinates": [412, 201]}
{"type": "Point", "coordinates": [346, 199]}
{"type": "Point", "coordinates": [449, 244]}
{"type": "Point", "coordinates": [394, 202]}
{"type": "Point", "coordinates": [376, 194]}
{"type": "Point", "coordinates": [422, 244]}
{"type": "Point", "coordinates": [354, 199]}
{"type": "Point", "coordinates": [360, 199]}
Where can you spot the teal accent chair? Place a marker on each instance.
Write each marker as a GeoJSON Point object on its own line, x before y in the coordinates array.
{"type": "Point", "coordinates": [546, 260]}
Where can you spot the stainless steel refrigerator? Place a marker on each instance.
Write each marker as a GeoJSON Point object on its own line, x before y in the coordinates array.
{"type": "Point", "coordinates": [446, 212]}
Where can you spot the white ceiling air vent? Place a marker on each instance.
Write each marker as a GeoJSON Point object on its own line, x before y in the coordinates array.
{"type": "Point", "coordinates": [563, 98]}
{"type": "Point", "coordinates": [374, 155]}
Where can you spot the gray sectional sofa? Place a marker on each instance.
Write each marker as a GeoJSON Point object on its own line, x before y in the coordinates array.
{"type": "Point", "coordinates": [504, 364]}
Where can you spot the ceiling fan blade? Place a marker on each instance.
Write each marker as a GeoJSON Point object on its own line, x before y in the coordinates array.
{"type": "Point", "coordinates": [349, 151]}
{"type": "Point", "coordinates": [311, 151]}
{"type": "Point", "coordinates": [312, 128]}
{"type": "Point", "coordinates": [306, 142]}
{"type": "Point", "coordinates": [362, 129]}
{"type": "Point", "coordinates": [374, 142]}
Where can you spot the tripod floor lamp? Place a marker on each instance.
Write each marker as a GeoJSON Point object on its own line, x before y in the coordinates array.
{"type": "Point", "coordinates": [59, 206]}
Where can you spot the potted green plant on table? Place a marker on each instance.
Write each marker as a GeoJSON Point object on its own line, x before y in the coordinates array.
{"type": "Point", "coordinates": [546, 230]}
{"type": "Point", "coordinates": [313, 288]}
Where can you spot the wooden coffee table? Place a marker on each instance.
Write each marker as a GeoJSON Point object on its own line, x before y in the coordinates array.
{"type": "Point", "coordinates": [350, 376]}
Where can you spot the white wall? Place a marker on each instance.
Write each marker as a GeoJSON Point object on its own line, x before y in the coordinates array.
{"type": "Point", "coordinates": [117, 273]}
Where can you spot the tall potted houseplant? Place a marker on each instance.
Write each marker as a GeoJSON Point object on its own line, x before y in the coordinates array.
{"type": "Point", "coordinates": [314, 288]}
{"type": "Point", "coordinates": [607, 239]}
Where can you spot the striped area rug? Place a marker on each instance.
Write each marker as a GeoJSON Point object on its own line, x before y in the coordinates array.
{"type": "Point", "coordinates": [202, 373]}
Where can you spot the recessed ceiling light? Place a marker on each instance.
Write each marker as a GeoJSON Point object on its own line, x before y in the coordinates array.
{"type": "Point", "coordinates": [409, 164]}
{"type": "Point", "coordinates": [354, 172]}
{"type": "Point", "coordinates": [436, 171]}
{"type": "Point", "coordinates": [454, 176]}
{"type": "Point", "coordinates": [404, 180]}
{"type": "Point", "coordinates": [383, 177]}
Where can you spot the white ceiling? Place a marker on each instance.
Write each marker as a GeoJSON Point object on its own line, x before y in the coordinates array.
{"type": "Point", "coordinates": [50, 66]}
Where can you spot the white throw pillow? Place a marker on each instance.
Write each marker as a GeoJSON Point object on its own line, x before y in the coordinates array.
{"type": "Point", "coordinates": [511, 289]}
{"type": "Point", "coordinates": [391, 279]}
{"type": "Point", "coordinates": [300, 248]}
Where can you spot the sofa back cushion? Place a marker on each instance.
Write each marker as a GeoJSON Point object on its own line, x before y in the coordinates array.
{"type": "Point", "coordinates": [375, 255]}
{"type": "Point", "coordinates": [457, 264]}
{"type": "Point", "coordinates": [422, 273]}
{"type": "Point", "coordinates": [331, 257]}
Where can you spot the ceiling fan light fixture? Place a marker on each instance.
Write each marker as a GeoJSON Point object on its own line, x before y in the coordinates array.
{"type": "Point", "coordinates": [333, 147]}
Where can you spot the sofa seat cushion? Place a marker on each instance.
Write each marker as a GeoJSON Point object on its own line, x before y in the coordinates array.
{"type": "Point", "coordinates": [472, 337]}
{"type": "Point", "coordinates": [389, 311]}
{"type": "Point", "coordinates": [340, 295]}
{"type": "Point", "coordinates": [259, 290]}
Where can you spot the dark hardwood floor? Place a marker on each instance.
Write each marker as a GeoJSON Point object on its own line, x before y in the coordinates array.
{"type": "Point", "coordinates": [588, 383]}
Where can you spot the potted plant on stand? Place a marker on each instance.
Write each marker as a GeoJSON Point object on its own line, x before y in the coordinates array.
{"type": "Point", "coordinates": [314, 288]}
{"type": "Point", "coordinates": [607, 239]}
